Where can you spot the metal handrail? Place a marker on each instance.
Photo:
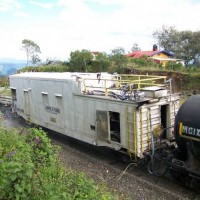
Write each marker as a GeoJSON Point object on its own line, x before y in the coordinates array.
{"type": "Point", "coordinates": [119, 82]}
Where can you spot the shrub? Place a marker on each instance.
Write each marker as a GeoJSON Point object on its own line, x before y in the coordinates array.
{"type": "Point", "coordinates": [30, 169]}
{"type": "Point", "coordinates": [173, 66]}
{"type": "Point", "coordinates": [16, 167]}
{"type": "Point", "coordinates": [43, 152]}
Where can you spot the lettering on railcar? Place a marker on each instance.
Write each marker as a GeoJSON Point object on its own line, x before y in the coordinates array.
{"type": "Point", "coordinates": [52, 109]}
{"type": "Point", "coordinates": [20, 110]}
{"type": "Point", "coordinates": [191, 131]}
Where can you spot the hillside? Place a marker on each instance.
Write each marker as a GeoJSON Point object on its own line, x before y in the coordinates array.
{"type": "Point", "coordinates": [181, 82]}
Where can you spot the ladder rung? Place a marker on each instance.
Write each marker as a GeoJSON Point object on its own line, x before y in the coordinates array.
{"type": "Point", "coordinates": [131, 122]}
{"type": "Point", "coordinates": [130, 141]}
{"type": "Point", "coordinates": [131, 112]}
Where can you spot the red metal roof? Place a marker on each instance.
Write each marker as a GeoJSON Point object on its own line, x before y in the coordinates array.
{"type": "Point", "coordinates": [139, 54]}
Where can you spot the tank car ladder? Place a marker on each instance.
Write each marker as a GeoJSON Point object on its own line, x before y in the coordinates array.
{"type": "Point", "coordinates": [131, 130]}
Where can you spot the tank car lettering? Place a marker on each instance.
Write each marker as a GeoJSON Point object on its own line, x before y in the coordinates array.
{"type": "Point", "coordinates": [191, 131]}
{"type": "Point", "coordinates": [198, 133]}
{"type": "Point", "coordinates": [185, 129]}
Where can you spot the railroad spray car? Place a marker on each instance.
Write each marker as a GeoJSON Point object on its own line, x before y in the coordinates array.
{"type": "Point", "coordinates": [123, 112]}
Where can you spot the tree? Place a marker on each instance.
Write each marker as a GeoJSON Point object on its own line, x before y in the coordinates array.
{"type": "Point", "coordinates": [118, 58]}
{"type": "Point", "coordinates": [103, 61]}
{"type": "Point", "coordinates": [167, 38]}
{"type": "Point", "coordinates": [184, 44]}
{"type": "Point", "coordinates": [135, 47]}
{"type": "Point", "coordinates": [35, 59]}
{"type": "Point", "coordinates": [80, 60]}
{"type": "Point", "coordinates": [189, 47]}
{"type": "Point", "coordinates": [32, 50]}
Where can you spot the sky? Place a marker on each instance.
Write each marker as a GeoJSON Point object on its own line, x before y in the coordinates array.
{"type": "Point", "coordinates": [59, 27]}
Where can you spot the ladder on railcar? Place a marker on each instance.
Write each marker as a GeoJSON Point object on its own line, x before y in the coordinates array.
{"type": "Point", "coordinates": [131, 133]}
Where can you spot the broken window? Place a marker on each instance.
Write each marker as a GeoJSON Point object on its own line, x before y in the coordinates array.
{"type": "Point", "coordinates": [114, 126]}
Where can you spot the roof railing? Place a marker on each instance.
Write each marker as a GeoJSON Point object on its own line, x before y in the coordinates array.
{"type": "Point", "coordinates": [119, 82]}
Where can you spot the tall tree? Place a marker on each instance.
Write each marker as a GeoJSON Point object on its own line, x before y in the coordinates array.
{"type": "Point", "coordinates": [32, 50]}
{"type": "Point", "coordinates": [80, 60]}
{"type": "Point", "coordinates": [35, 59]}
{"type": "Point", "coordinates": [103, 61]}
{"type": "Point", "coordinates": [118, 57]}
{"type": "Point", "coordinates": [135, 47]}
{"type": "Point", "coordinates": [184, 44]}
{"type": "Point", "coordinates": [189, 47]}
{"type": "Point", "coordinates": [167, 38]}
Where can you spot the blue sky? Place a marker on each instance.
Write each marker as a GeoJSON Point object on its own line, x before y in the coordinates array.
{"type": "Point", "coordinates": [62, 26]}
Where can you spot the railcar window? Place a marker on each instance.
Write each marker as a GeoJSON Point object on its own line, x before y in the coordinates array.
{"type": "Point", "coordinates": [115, 126]}
{"type": "Point", "coordinates": [45, 99]}
{"type": "Point", "coordinates": [163, 114]}
{"type": "Point", "coordinates": [59, 101]}
{"type": "Point", "coordinates": [14, 94]}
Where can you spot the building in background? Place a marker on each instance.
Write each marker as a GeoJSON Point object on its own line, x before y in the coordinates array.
{"type": "Point", "coordinates": [159, 56]}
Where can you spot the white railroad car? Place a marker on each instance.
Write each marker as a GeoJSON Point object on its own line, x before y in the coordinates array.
{"type": "Point", "coordinates": [124, 112]}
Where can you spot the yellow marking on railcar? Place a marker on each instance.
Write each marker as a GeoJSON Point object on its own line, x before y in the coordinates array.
{"type": "Point", "coordinates": [180, 128]}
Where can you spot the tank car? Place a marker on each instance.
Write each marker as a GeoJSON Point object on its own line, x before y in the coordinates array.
{"type": "Point", "coordinates": [187, 128]}
{"type": "Point", "coordinates": [182, 158]}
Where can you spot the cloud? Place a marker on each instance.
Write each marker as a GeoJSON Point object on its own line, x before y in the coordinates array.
{"type": "Point", "coordinates": [96, 25]}
{"type": "Point", "coordinates": [125, 23]}
{"type": "Point", "coordinates": [42, 5]}
{"type": "Point", "coordinates": [8, 5]}
{"type": "Point", "coordinates": [21, 14]}
{"type": "Point", "coordinates": [132, 17]}
{"type": "Point", "coordinates": [12, 6]}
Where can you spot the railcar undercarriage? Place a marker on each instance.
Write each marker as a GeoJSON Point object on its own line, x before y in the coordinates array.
{"type": "Point", "coordinates": [168, 160]}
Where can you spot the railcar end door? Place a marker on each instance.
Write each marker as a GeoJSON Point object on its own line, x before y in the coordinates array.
{"type": "Point", "coordinates": [102, 125]}
{"type": "Point", "coordinates": [26, 103]}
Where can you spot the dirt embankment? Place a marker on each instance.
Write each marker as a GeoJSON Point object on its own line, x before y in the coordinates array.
{"type": "Point", "coordinates": [184, 83]}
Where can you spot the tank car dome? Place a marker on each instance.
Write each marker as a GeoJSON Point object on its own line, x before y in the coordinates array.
{"type": "Point", "coordinates": [187, 126]}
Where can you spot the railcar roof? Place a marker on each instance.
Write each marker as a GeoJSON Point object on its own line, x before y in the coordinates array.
{"type": "Point", "coordinates": [58, 75]}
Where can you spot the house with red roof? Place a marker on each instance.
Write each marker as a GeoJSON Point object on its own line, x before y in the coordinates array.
{"type": "Point", "coordinates": [161, 57]}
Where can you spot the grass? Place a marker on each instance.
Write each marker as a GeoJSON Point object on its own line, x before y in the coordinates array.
{"type": "Point", "coordinates": [4, 91]}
